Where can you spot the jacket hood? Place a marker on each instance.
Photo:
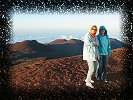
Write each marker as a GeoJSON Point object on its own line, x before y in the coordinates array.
{"type": "Point", "coordinates": [103, 27]}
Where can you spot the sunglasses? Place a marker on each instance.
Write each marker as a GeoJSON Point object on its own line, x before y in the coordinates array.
{"type": "Point", "coordinates": [94, 29]}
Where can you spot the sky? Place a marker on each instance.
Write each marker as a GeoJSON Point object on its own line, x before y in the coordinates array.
{"type": "Point", "coordinates": [47, 27]}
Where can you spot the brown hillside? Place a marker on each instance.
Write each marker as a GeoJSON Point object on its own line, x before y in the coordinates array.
{"type": "Point", "coordinates": [66, 73]}
{"type": "Point", "coordinates": [58, 41]}
{"type": "Point", "coordinates": [74, 41]}
{"type": "Point", "coordinates": [64, 41]}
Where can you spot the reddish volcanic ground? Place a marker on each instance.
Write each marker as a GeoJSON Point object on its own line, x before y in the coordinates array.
{"type": "Point", "coordinates": [66, 74]}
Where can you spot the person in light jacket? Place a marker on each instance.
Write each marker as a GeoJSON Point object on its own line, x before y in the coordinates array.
{"type": "Point", "coordinates": [104, 50]}
{"type": "Point", "coordinates": [90, 54]}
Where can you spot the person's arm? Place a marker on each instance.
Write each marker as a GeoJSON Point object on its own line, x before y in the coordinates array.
{"type": "Point", "coordinates": [109, 47]}
{"type": "Point", "coordinates": [97, 42]}
{"type": "Point", "coordinates": [98, 55]}
{"type": "Point", "coordinates": [88, 41]}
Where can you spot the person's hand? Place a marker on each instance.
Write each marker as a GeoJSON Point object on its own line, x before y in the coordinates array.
{"type": "Point", "coordinates": [98, 57]}
{"type": "Point", "coordinates": [109, 54]}
{"type": "Point", "coordinates": [95, 44]}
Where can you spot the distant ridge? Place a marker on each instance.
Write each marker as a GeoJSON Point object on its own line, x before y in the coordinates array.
{"type": "Point", "coordinates": [55, 49]}
{"type": "Point", "coordinates": [64, 41]}
{"type": "Point", "coordinates": [116, 43]}
{"type": "Point", "coordinates": [58, 41]}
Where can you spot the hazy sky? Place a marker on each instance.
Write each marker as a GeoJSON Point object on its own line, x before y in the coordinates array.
{"type": "Point", "coordinates": [61, 23]}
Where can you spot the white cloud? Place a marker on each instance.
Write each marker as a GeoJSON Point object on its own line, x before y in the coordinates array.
{"type": "Point", "coordinates": [30, 37]}
{"type": "Point", "coordinates": [67, 37]}
{"type": "Point", "coordinates": [41, 37]}
{"type": "Point", "coordinates": [82, 38]}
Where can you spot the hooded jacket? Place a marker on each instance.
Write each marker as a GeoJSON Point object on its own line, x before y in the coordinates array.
{"type": "Point", "coordinates": [90, 49]}
{"type": "Point", "coordinates": [104, 42]}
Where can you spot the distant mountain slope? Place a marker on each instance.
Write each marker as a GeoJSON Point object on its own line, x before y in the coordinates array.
{"type": "Point", "coordinates": [58, 41]}
{"type": "Point", "coordinates": [64, 41]}
{"type": "Point", "coordinates": [58, 48]}
{"type": "Point", "coordinates": [28, 45]}
{"type": "Point", "coordinates": [116, 43]}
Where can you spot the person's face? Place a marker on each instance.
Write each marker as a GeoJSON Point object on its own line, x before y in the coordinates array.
{"type": "Point", "coordinates": [102, 31]}
{"type": "Point", "coordinates": [94, 30]}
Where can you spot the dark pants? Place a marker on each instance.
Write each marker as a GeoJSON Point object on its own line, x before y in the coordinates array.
{"type": "Point", "coordinates": [102, 69]}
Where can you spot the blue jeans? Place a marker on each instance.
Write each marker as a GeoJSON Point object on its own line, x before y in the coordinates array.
{"type": "Point", "coordinates": [101, 70]}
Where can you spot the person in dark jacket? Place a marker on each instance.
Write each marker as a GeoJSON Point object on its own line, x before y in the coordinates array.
{"type": "Point", "coordinates": [104, 50]}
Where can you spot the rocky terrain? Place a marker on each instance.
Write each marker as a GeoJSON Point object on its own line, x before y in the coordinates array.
{"type": "Point", "coordinates": [67, 74]}
{"type": "Point", "coordinates": [57, 68]}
